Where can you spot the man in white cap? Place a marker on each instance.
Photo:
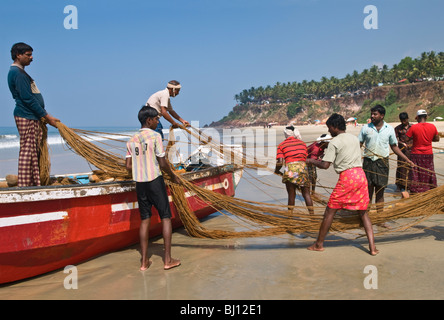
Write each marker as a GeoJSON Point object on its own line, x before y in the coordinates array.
{"type": "Point", "coordinates": [422, 175]}
{"type": "Point", "coordinates": [161, 102]}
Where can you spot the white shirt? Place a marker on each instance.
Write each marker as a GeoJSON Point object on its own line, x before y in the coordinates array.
{"type": "Point", "coordinates": [160, 99]}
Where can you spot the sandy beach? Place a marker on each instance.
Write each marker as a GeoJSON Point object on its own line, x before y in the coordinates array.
{"type": "Point", "coordinates": [270, 268]}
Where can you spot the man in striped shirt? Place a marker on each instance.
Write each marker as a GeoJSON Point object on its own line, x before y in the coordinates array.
{"type": "Point", "coordinates": [292, 149]}
{"type": "Point", "coordinates": [145, 158]}
{"type": "Point", "coordinates": [293, 152]}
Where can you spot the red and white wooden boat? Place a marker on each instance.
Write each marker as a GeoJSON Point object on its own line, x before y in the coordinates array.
{"type": "Point", "coordinates": [47, 228]}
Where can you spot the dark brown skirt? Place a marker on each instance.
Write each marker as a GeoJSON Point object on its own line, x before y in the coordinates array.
{"type": "Point", "coordinates": [402, 172]}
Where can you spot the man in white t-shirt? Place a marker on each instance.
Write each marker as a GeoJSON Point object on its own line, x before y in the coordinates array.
{"type": "Point", "coordinates": [351, 190]}
{"type": "Point", "coordinates": [161, 102]}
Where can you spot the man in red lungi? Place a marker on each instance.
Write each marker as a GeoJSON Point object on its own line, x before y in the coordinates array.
{"type": "Point", "coordinates": [351, 190]}
{"type": "Point", "coordinates": [28, 113]}
{"type": "Point", "coordinates": [422, 175]}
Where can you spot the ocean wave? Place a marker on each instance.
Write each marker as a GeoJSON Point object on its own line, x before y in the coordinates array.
{"type": "Point", "coordinates": [13, 141]}
{"type": "Point", "coordinates": [8, 136]}
{"type": "Point", "coordinates": [10, 139]}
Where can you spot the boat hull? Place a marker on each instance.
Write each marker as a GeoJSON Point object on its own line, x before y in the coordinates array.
{"type": "Point", "coordinates": [47, 228]}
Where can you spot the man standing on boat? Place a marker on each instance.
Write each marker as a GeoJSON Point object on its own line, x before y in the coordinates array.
{"type": "Point", "coordinates": [29, 113]}
{"type": "Point", "coordinates": [145, 158]}
{"type": "Point", "coordinates": [162, 103]}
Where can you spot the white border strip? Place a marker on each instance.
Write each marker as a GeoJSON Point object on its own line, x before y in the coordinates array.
{"type": "Point", "coordinates": [134, 205]}
{"type": "Point", "coordinates": [124, 206]}
{"type": "Point", "coordinates": [34, 218]}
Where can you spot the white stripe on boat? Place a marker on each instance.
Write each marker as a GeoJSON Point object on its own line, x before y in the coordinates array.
{"type": "Point", "coordinates": [134, 205]}
{"type": "Point", "coordinates": [33, 218]}
{"type": "Point", "coordinates": [124, 206]}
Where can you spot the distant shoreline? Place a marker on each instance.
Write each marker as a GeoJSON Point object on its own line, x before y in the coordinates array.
{"type": "Point", "coordinates": [438, 124]}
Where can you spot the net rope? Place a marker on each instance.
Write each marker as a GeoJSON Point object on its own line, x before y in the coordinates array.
{"type": "Point", "coordinates": [256, 219]}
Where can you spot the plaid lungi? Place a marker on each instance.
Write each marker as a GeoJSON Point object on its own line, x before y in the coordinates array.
{"type": "Point", "coordinates": [422, 176]}
{"type": "Point", "coordinates": [28, 163]}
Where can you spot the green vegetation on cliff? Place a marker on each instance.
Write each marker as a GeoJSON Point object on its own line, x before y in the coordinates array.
{"type": "Point", "coordinates": [354, 94]}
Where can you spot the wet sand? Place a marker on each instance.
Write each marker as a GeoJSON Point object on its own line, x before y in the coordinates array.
{"type": "Point", "coordinates": [272, 268]}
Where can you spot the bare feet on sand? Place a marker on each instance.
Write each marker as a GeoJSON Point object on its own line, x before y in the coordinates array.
{"type": "Point", "coordinates": [171, 264]}
{"type": "Point", "coordinates": [315, 247]}
{"type": "Point", "coordinates": [145, 265]}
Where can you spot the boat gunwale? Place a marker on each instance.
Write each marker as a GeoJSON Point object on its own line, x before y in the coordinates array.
{"type": "Point", "coordinates": [16, 194]}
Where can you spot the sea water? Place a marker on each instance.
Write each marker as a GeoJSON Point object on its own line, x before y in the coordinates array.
{"type": "Point", "coordinates": [113, 139]}
{"type": "Point", "coordinates": [63, 159]}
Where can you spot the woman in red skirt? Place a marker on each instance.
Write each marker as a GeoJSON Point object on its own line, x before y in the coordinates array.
{"type": "Point", "coordinates": [351, 191]}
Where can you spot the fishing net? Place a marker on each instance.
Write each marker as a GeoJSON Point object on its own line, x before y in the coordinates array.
{"type": "Point", "coordinates": [257, 219]}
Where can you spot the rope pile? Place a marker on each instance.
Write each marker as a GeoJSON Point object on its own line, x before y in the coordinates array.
{"type": "Point", "coordinates": [266, 219]}
{"type": "Point", "coordinates": [44, 162]}
{"type": "Point", "coordinates": [259, 218]}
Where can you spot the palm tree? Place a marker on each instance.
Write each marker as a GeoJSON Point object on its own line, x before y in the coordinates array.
{"type": "Point", "coordinates": [355, 80]}
{"type": "Point", "coordinates": [431, 63]}
{"type": "Point", "coordinates": [384, 73]}
{"type": "Point", "coordinates": [374, 76]}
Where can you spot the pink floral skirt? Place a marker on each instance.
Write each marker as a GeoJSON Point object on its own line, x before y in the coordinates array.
{"type": "Point", "coordinates": [351, 191]}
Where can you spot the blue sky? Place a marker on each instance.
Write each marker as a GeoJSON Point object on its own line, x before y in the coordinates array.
{"type": "Point", "coordinates": [123, 51]}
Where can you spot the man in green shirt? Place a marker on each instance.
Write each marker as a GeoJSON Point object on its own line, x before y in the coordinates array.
{"type": "Point", "coordinates": [378, 137]}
